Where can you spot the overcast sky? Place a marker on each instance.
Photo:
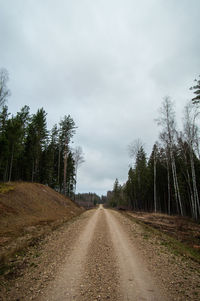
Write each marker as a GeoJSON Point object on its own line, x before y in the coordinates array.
{"type": "Point", "coordinates": [107, 63]}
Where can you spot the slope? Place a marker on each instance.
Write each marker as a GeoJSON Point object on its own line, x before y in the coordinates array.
{"type": "Point", "coordinates": [28, 211]}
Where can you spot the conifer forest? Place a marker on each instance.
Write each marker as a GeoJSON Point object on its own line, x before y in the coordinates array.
{"type": "Point", "coordinates": [31, 152]}
{"type": "Point", "coordinates": [169, 180]}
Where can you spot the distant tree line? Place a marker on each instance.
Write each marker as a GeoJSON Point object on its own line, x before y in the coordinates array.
{"type": "Point", "coordinates": [30, 152]}
{"type": "Point", "coordinates": [88, 200]}
{"type": "Point", "coordinates": [169, 180]}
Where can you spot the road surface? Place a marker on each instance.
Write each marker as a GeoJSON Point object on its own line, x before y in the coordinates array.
{"type": "Point", "coordinates": [103, 264]}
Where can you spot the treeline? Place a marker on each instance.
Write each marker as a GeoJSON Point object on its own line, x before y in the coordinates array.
{"type": "Point", "coordinates": [30, 152]}
{"type": "Point", "coordinates": [88, 200]}
{"type": "Point", "coordinates": [169, 180]}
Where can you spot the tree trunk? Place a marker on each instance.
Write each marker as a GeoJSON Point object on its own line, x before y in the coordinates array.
{"type": "Point", "coordinates": [5, 172]}
{"type": "Point", "coordinates": [65, 172]}
{"type": "Point", "coordinates": [75, 185]}
{"type": "Point", "coordinates": [195, 192]}
{"type": "Point", "coordinates": [11, 164]}
{"type": "Point", "coordinates": [32, 177]}
{"type": "Point", "coordinates": [168, 186]}
{"type": "Point", "coordinates": [191, 196]}
{"type": "Point", "coordinates": [59, 167]}
{"type": "Point", "coordinates": [176, 186]}
{"type": "Point", "coordinates": [155, 201]}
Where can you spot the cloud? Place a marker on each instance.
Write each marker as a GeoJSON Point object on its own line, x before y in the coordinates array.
{"type": "Point", "coordinates": [107, 64]}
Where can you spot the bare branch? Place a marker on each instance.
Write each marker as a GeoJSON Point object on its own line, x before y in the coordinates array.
{"type": "Point", "coordinates": [134, 147]}
{"type": "Point", "coordinates": [4, 91]}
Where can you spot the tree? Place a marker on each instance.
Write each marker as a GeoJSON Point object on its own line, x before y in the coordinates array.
{"type": "Point", "coordinates": [36, 139]}
{"type": "Point", "coordinates": [130, 188]}
{"type": "Point", "coordinates": [157, 180]}
{"type": "Point", "coordinates": [116, 193]}
{"type": "Point", "coordinates": [14, 135]}
{"type": "Point", "coordinates": [141, 179]}
{"type": "Point", "coordinates": [67, 130]}
{"type": "Point", "coordinates": [190, 130]}
{"type": "Point", "coordinates": [196, 89]}
{"type": "Point", "coordinates": [70, 175]}
{"type": "Point", "coordinates": [4, 147]}
{"type": "Point", "coordinates": [134, 147]}
{"type": "Point", "coordinates": [78, 159]}
{"type": "Point", "coordinates": [152, 165]}
{"type": "Point", "coordinates": [168, 135]}
{"type": "Point", "coordinates": [52, 155]}
{"type": "Point", "coordinates": [4, 91]}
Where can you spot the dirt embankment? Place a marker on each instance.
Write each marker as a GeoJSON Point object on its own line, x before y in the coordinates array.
{"type": "Point", "coordinates": [28, 211]}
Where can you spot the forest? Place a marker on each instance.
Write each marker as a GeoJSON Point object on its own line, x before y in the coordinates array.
{"type": "Point", "coordinates": [169, 180]}
{"type": "Point", "coordinates": [31, 152]}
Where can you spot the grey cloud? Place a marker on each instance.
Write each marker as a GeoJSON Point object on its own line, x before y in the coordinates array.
{"type": "Point", "coordinates": [107, 64]}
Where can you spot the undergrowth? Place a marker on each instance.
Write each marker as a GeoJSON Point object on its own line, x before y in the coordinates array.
{"type": "Point", "coordinates": [5, 187]}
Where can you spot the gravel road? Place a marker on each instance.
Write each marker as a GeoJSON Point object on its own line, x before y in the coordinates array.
{"type": "Point", "coordinates": [101, 255]}
{"type": "Point", "coordinates": [103, 265]}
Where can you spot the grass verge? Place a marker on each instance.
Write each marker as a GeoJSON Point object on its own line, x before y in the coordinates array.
{"type": "Point", "coordinates": [173, 245]}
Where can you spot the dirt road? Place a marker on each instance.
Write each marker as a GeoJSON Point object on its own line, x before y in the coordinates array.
{"type": "Point", "coordinates": [104, 265]}
{"type": "Point", "coordinates": [102, 255]}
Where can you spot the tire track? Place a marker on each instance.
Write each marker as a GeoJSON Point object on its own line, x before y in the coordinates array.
{"type": "Point", "coordinates": [101, 277]}
{"type": "Point", "coordinates": [135, 279]}
{"type": "Point", "coordinates": [66, 285]}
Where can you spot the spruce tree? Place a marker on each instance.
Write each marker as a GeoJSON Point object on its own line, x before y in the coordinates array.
{"type": "Point", "coordinates": [196, 89]}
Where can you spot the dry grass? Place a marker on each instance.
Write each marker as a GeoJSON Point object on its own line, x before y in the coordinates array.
{"type": "Point", "coordinates": [179, 233]}
{"type": "Point", "coordinates": [29, 211]}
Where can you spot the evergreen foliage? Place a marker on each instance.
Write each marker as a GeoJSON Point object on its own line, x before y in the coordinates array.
{"type": "Point", "coordinates": [196, 89]}
{"type": "Point", "coordinates": [29, 152]}
{"type": "Point", "coordinates": [167, 182]}
{"type": "Point", "coordinates": [138, 191]}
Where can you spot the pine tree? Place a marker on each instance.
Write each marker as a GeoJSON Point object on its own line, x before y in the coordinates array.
{"type": "Point", "coordinates": [36, 139]}
{"type": "Point", "coordinates": [4, 147]}
{"type": "Point", "coordinates": [196, 89]}
{"type": "Point", "coordinates": [67, 130]}
{"type": "Point", "coordinates": [70, 175]}
{"type": "Point", "coordinates": [130, 189]}
{"type": "Point", "coordinates": [141, 176]}
{"type": "Point", "coordinates": [14, 136]}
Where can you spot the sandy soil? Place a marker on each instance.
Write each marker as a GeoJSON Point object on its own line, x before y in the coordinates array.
{"type": "Point", "coordinates": [102, 255]}
{"type": "Point", "coordinates": [104, 265]}
{"type": "Point", "coordinates": [136, 281]}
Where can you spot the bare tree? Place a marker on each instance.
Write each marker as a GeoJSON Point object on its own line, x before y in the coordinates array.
{"type": "Point", "coordinates": [79, 159]}
{"type": "Point", "coordinates": [191, 133]}
{"type": "Point", "coordinates": [4, 91]}
{"type": "Point", "coordinates": [154, 173]}
{"type": "Point", "coordinates": [168, 136]}
{"type": "Point", "coordinates": [134, 147]}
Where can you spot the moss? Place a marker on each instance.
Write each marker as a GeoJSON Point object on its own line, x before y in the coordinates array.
{"type": "Point", "coordinates": [5, 187]}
